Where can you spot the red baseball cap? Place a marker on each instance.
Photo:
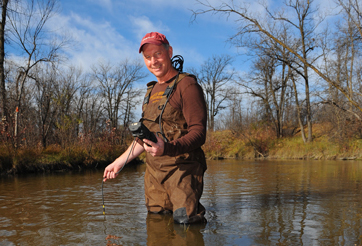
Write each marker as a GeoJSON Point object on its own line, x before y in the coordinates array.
{"type": "Point", "coordinates": [153, 38]}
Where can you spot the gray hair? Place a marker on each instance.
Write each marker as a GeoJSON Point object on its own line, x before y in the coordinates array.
{"type": "Point", "coordinates": [166, 46]}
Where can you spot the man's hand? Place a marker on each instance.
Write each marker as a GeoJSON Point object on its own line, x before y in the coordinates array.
{"type": "Point", "coordinates": [155, 149]}
{"type": "Point", "coordinates": [111, 171]}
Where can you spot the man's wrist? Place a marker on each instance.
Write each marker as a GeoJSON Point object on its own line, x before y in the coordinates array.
{"type": "Point", "coordinates": [166, 149]}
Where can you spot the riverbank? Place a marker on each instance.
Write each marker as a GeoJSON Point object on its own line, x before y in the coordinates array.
{"type": "Point", "coordinates": [229, 144]}
{"type": "Point", "coordinates": [57, 159]}
{"type": "Point", "coordinates": [219, 145]}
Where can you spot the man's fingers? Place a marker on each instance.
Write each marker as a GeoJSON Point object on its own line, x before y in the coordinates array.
{"type": "Point", "coordinates": [148, 143]}
{"type": "Point", "coordinates": [109, 175]}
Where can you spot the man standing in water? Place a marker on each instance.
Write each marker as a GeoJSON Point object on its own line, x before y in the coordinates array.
{"type": "Point", "coordinates": [176, 163]}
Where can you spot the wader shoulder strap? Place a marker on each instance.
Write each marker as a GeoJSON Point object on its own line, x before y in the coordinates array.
{"type": "Point", "coordinates": [148, 93]}
{"type": "Point", "coordinates": [170, 88]}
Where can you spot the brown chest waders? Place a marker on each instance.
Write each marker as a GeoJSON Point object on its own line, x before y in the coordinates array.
{"type": "Point", "coordinates": [172, 183]}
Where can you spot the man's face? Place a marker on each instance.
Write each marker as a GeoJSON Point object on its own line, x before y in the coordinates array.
{"type": "Point", "coordinates": [158, 60]}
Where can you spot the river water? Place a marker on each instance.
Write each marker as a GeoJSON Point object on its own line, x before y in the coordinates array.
{"type": "Point", "coordinates": [247, 202]}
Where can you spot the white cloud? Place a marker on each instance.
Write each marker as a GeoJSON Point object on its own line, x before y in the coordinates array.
{"type": "Point", "coordinates": [94, 40]}
{"type": "Point", "coordinates": [143, 25]}
{"type": "Point", "coordinates": [106, 4]}
{"type": "Point", "coordinates": [170, 3]}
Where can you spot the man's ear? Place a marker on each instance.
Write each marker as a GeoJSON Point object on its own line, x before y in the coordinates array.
{"type": "Point", "coordinates": [170, 51]}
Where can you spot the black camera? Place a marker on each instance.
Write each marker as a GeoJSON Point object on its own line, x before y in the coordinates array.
{"type": "Point", "coordinates": [141, 131]}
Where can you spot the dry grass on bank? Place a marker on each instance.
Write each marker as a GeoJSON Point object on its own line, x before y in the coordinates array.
{"type": "Point", "coordinates": [54, 158]}
{"type": "Point", "coordinates": [261, 142]}
{"type": "Point", "coordinates": [320, 148]}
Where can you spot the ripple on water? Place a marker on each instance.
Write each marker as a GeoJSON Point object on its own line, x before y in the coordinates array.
{"type": "Point", "coordinates": [246, 204]}
{"type": "Point", "coordinates": [7, 233]}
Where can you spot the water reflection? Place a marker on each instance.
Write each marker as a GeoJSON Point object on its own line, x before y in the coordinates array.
{"type": "Point", "coordinates": [287, 203]}
{"type": "Point", "coordinates": [248, 203]}
{"type": "Point", "coordinates": [162, 231]}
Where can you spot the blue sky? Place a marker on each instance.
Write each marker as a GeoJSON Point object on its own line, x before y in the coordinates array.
{"type": "Point", "coordinates": [112, 30]}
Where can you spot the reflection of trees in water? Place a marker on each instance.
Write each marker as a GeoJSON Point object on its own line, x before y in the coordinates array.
{"type": "Point", "coordinates": [287, 202]}
{"type": "Point", "coordinates": [307, 206]}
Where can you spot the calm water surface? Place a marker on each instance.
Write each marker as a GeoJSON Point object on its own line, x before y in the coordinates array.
{"type": "Point", "coordinates": [248, 203]}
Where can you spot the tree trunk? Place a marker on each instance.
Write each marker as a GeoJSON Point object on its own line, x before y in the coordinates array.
{"type": "Point", "coordinates": [4, 110]}
{"type": "Point", "coordinates": [298, 110]}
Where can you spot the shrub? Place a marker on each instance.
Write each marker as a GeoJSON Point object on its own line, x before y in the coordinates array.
{"type": "Point", "coordinates": [25, 159]}
{"type": "Point", "coordinates": [6, 160]}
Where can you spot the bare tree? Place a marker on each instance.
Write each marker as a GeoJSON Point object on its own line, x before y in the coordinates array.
{"type": "Point", "coordinates": [132, 99]}
{"type": "Point", "coordinates": [269, 76]}
{"type": "Point", "coordinates": [345, 46]}
{"type": "Point", "coordinates": [354, 12]}
{"type": "Point", "coordinates": [215, 76]}
{"type": "Point", "coordinates": [253, 24]}
{"type": "Point", "coordinates": [233, 117]}
{"type": "Point", "coordinates": [68, 85]}
{"type": "Point", "coordinates": [115, 86]}
{"type": "Point", "coordinates": [300, 48]}
{"type": "Point", "coordinates": [46, 108]}
{"type": "Point", "coordinates": [269, 84]}
{"type": "Point", "coordinates": [59, 99]}
{"type": "Point", "coordinates": [298, 106]}
{"type": "Point", "coordinates": [305, 38]}
{"type": "Point", "coordinates": [93, 116]}
{"type": "Point", "coordinates": [85, 91]}
{"type": "Point", "coordinates": [342, 63]}
{"type": "Point", "coordinates": [29, 34]}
